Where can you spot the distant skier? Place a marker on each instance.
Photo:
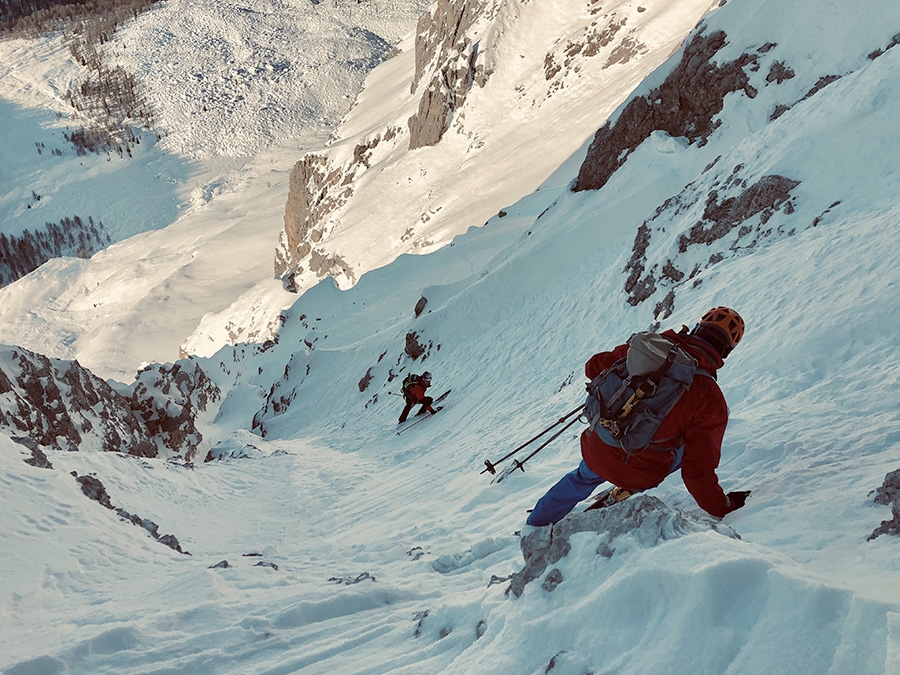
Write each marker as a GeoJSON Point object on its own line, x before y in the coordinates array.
{"type": "Point", "coordinates": [414, 387]}
{"type": "Point", "coordinates": [690, 436]}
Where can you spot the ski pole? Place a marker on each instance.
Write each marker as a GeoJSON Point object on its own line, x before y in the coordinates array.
{"type": "Point", "coordinates": [491, 466]}
{"type": "Point", "coordinates": [521, 465]}
{"type": "Point", "coordinates": [544, 445]}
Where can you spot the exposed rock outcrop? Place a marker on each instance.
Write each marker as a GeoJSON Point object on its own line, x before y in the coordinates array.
{"type": "Point", "coordinates": [610, 30]}
{"type": "Point", "coordinates": [745, 216]}
{"type": "Point", "coordinates": [684, 105]}
{"type": "Point", "coordinates": [94, 489]}
{"type": "Point", "coordinates": [640, 522]}
{"type": "Point", "coordinates": [448, 54]}
{"type": "Point", "coordinates": [168, 398]}
{"type": "Point", "coordinates": [59, 405]}
{"type": "Point", "coordinates": [316, 189]}
{"type": "Point", "coordinates": [62, 406]}
{"type": "Point", "coordinates": [888, 493]}
{"type": "Point", "coordinates": [413, 349]}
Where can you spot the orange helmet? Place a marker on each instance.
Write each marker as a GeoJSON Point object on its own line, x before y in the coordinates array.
{"type": "Point", "coordinates": [727, 320]}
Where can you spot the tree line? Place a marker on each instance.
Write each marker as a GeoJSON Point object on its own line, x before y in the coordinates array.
{"type": "Point", "coordinates": [22, 254]}
{"type": "Point", "coordinates": [31, 18]}
{"type": "Point", "coordinates": [108, 97]}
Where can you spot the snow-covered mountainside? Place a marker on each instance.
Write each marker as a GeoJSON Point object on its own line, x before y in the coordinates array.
{"type": "Point", "coordinates": [757, 167]}
{"type": "Point", "coordinates": [556, 71]}
{"type": "Point", "coordinates": [478, 78]}
{"type": "Point", "coordinates": [238, 92]}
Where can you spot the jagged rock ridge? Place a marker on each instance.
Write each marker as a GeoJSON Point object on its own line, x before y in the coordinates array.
{"type": "Point", "coordinates": [59, 405]}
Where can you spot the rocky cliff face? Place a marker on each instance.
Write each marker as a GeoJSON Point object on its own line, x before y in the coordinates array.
{"type": "Point", "coordinates": [446, 68]}
{"type": "Point", "coordinates": [50, 404]}
{"type": "Point", "coordinates": [684, 105]}
{"type": "Point", "coordinates": [477, 81]}
{"type": "Point", "coordinates": [317, 188]}
{"type": "Point", "coordinates": [728, 203]}
{"type": "Point", "coordinates": [446, 54]}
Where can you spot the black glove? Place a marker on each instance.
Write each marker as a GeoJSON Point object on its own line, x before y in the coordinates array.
{"type": "Point", "coordinates": [738, 498]}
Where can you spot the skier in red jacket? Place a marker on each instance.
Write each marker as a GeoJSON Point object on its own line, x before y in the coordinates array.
{"type": "Point", "coordinates": [693, 431]}
{"type": "Point", "coordinates": [414, 387]}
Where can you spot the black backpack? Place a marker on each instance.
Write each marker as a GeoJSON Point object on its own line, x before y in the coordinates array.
{"type": "Point", "coordinates": [628, 401]}
{"type": "Point", "coordinates": [408, 383]}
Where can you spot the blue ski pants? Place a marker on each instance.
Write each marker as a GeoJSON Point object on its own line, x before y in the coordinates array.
{"type": "Point", "coordinates": [571, 489]}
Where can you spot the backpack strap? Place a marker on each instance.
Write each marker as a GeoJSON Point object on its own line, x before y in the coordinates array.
{"type": "Point", "coordinates": [663, 444]}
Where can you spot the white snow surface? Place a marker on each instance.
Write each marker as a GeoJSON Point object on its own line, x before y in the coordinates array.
{"type": "Point", "coordinates": [239, 92]}
{"type": "Point", "coordinates": [386, 545]}
{"type": "Point", "coordinates": [272, 77]}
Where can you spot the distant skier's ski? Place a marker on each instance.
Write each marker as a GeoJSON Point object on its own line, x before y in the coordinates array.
{"type": "Point", "coordinates": [425, 417]}
{"type": "Point", "coordinates": [609, 497]}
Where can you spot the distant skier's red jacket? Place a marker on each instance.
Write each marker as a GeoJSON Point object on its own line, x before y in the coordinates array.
{"type": "Point", "coordinates": [698, 419]}
{"type": "Point", "coordinates": [415, 393]}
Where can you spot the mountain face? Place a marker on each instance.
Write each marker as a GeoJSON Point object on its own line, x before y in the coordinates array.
{"type": "Point", "coordinates": [468, 74]}
{"type": "Point", "coordinates": [757, 167]}
{"type": "Point", "coordinates": [448, 57]}
{"type": "Point", "coordinates": [50, 404]}
{"type": "Point", "coordinates": [735, 204]}
{"type": "Point", "coordinates": [719, 154]}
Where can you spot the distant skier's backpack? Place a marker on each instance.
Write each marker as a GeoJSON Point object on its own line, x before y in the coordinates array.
{"type": "Point", "coordinates": [628, 401]}
{"type": "Point", "coordinates": [408, 383]}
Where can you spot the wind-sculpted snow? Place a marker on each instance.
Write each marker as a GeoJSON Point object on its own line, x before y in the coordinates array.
{"type": "Point", "coordinates": [640, 522]}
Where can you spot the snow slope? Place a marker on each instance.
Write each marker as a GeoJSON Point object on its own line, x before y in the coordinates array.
{"type": "Point", "coordinates": [224, 295]}
{"type": "Point", "coordinates": [546, 74]}
{"type": "Point", "coordinates": [389, 548]}
{"type": "Point", "coordinates": [239, 91]}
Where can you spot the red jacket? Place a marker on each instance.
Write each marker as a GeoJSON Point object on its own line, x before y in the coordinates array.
{"type": "Point", "coordinates": [699, 417]}
{"type": "Point", "coordinates": [416, 393]}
